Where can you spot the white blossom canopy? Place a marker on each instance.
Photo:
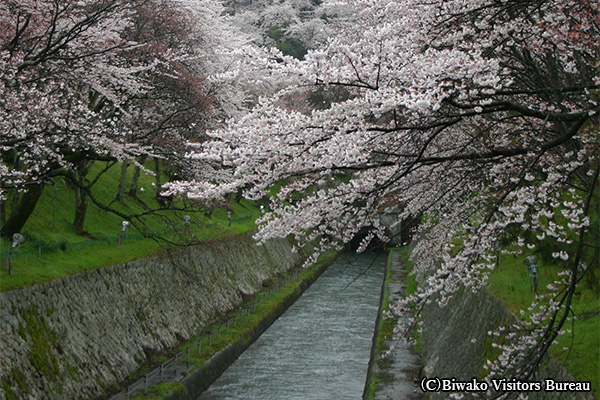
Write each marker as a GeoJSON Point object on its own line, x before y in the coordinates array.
{"type": "Point", "coordinates": [444, 100]}
{"type": "Point", "coordinates": [95, 79]}
{"type": "Point", "coordinates": [480, 114]}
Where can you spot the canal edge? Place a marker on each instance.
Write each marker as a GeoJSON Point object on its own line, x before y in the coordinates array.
{"type": "Point", "coordinates": [370, 384]}
{"type": "Point", "coordinates": [192, 386]}
{"type": "Point", "coordinates": [393, 376]}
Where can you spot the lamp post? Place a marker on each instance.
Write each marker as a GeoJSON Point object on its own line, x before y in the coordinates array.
{"type": "Point", "coordinates": [532, 267]}
{"type": "Point", "coordinates": [124, 227]}
{"type": "Point", "coordinates": [17, 241]}
{"type": "Point", "coordinates": [186, 224]}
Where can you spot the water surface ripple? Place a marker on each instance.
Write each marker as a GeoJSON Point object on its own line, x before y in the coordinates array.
{"type": "Point", "coordinates": [319, 348]}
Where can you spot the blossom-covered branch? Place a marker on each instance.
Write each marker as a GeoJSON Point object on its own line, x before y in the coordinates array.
{"type": "Point", "coordinates": [481, 114]}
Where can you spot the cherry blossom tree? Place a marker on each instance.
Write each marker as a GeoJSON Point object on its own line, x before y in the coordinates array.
{"type": "Point", "coordinates": [108, 80]}
{"type": "Point", "coordinates": [292, 26]}
{"type": "Point", "coordinates": [481, 115]}
{"type": "Point", "coordinates": [52, 55]}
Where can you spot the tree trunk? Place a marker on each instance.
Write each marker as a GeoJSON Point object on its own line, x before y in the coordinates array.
{"type": "Point", "coordinates": [81, 171]}
{"type": "Point", "coordinates": [136, 175]}
{"type": "Point", "coordinates": [22, 211]}
{"type": "Point", "coordinates": [80, 210]}
{"type": "Point", "coordinates": [2, 212]}
{"type": "Point", "coordinates": [157, 176]}
{"type": "Point", "coordinates": [122, 182]}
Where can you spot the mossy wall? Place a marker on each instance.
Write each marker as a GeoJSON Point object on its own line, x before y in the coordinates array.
{"type": "Point", "coordinates": [455, 343]}
{"type": "Point", "coordinates": [74, 337]}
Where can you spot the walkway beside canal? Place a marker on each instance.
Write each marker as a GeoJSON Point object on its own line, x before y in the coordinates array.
{"type": "Point", "coordinates": [398, 374]}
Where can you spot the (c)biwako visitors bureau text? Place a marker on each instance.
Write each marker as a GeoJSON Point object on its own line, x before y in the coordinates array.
{"type": "Point", "coordinates": [502, 385]}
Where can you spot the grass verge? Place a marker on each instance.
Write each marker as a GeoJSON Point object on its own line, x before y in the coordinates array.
{"type": "Point", "coordinates": [578, 350]}
{"type": "Point", "coordinates": [383, 332]}
{"type": "Point", "coordinates": [53, 250]}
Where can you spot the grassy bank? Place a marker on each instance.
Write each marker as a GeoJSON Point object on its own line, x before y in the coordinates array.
{"type": "Point", "coordinates": [53, 250]}
{"type": "Point", "coordinates": [579, 348]}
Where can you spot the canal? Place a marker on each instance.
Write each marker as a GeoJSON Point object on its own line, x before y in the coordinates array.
{"type": "Point", "coordinates": [320, 347]}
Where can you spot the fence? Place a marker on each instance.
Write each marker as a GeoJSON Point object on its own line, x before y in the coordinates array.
{"type": "Point", "coordinates": [175, 367]}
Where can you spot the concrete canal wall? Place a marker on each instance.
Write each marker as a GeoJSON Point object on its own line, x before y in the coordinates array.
{"type": "Point", "coordinates": [455, 344]}
{"type": "Point", "coordinates": [73, 338]}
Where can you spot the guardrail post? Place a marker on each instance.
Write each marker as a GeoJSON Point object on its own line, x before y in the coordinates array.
{"type": "Point", "coordinates": [146, 383]}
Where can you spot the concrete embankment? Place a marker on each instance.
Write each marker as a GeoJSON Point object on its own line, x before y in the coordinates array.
{"type": "Point", "coordinates": [455, 345]}
{"type": "Point", "coordinates": [75, 337]}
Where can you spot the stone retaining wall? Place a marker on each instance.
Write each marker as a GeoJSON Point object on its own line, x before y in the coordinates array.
{"type": "Point", "coordinates": [74, 337]}
{"type": "Point", "coordinates": [456, 344]}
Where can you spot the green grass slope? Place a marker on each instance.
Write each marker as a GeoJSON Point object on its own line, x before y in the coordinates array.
{"type": "Point", "coordinates": [579, 348]}
{"type": "Point", "coordinates": [53, 250]}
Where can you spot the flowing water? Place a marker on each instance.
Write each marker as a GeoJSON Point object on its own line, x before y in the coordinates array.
{"type": "Point", "coordinates": [320, 347]}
